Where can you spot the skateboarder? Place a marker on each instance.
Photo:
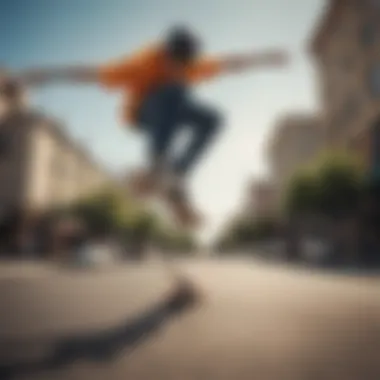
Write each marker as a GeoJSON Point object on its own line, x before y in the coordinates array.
{"type": "Point", "coordinates": [156, 82]}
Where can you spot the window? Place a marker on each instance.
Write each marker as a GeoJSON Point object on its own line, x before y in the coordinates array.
{"type": "Point", "coordinates": [374, 81]}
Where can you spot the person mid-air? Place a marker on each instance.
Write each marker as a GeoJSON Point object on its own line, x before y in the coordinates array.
{"type": "Point", "coordinates": [156, 84]}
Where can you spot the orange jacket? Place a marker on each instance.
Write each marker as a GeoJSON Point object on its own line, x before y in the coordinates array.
{"type": "Point", "coordinates": [137, 75]}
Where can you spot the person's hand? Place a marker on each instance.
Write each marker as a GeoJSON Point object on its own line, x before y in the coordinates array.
{"type": "Point", "coordinates": [277, 58]}
{"type": "Point", "coordinates": [10, 88]}
{"type": "Point", "coordinates": [258, 59]}
{"type": "Point", "coordinates": [12, 94]}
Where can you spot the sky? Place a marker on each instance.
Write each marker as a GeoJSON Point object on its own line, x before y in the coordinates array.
{"type": "Point", "coordinates": [56, 32]}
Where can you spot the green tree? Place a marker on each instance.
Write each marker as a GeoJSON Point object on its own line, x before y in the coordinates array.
{"type": "Point", "coordinates": [112, 212]}
{"type": "Point", "coordinates": [246, 232]}
{"type": "Point", "coordinates": [102, 212]}
{"type": "Point", "coordinates": [242, 232]}
{"type": "Point", "coordinates": [341, 184]}
{"type": "Point", "coordinates": [174, 240]}
{"type": "Point", "coordinates": [302, 193]}
{"type": "Point", "coordinates": [332, 186]}
{"type": "Point", "coordinates": [323, 197]}
{"type": "Point", "coordinates": [264, 229]}
{"type": "Point", "coordinates": [184, 242]}
{"type": "Point", "coordinates": [224, 243]}
{"type": "Point", "coordinates": [143, 225]}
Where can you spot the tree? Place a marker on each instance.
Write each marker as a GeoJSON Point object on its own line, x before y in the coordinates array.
{"type": "Point", "coordinates": [264, 229]}
{"type": "Point", "coordinates": [185, 242]}
{"type": "Point", "coordinates": [224, 243]}
{"type": "Point", "coordinates": [104, 212]}
{"type": "Point", "coordinates": [332, 186]}
{"type": "Point", "coordinates": [341, 184]}
{"type": "Point", "coordinates": [139, 233]}
{"type": "Point", "coordinates": [245, 233]}
{"type": "Point", "coordinates": [174, 240]}
{"type": "Point", "coordinates": [301, 195]}
{"type": "Point", "coordinates": [111, 212]}
{"type": "Point", "coordinates": [322, 198]}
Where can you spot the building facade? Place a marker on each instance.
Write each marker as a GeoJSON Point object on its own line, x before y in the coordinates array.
{"type": "Point", "coordinates": [41, 167]}
{"type": "Point", "coordinates": [296, 140]}
{"type": "Point", "coordinates": [261, 199]}
{"type": "Point", "coordinates": [347, 57]}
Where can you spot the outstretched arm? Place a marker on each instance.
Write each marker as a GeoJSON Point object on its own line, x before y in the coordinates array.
{"type": "Point", "coordinates": [209, 68]}
{"type": "Point", "coordinates": [112, 75]}
{"type": "Point", "coordinates": [241, 62]}
{"type": "Point", "coordinates": [37, 77]}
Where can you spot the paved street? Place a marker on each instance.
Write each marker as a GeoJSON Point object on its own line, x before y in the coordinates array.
{"type": "Point", "coordinates": [254, 322]}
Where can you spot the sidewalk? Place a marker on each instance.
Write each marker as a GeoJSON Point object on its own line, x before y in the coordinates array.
{"type": "Point", "coordinates": [11, 269]}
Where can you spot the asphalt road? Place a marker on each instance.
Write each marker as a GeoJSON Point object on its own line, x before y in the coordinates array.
{"type": "Point", "coordinates": [253, 322]}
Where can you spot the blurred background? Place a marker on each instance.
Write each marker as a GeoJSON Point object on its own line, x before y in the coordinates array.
{"type": "Point", "coordinates": [291, 195]}
{"type": "Point", "coordinates": [295, 171]}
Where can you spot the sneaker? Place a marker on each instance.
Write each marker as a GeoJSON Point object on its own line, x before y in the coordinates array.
{"type": "Point", "coordinates": [144, 184]}
{"type": "Point", "coordinates": [178, 200]}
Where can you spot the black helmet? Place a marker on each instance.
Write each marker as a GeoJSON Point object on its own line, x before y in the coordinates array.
{"type": "Point", "coordinates": [181, 44]}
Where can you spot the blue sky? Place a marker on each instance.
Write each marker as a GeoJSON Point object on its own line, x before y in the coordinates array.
{"type": "Point", "coordinates": [53, 32]}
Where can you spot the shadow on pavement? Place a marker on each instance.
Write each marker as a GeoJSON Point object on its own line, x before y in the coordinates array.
{"type": "Point", "coordinates": [103, 345]}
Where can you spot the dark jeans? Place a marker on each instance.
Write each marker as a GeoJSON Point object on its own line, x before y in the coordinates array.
{"type": "Point", "coordinates": [168, 110]}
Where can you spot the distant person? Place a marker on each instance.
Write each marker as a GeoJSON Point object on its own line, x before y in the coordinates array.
{"type": "Point", "coordinates": [156, 83]}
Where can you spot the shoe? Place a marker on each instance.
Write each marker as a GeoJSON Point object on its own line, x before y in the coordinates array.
{"type": "Point", "coordinates": [178, 201]}
{"type": "Point", "coordinates": [144, 184]}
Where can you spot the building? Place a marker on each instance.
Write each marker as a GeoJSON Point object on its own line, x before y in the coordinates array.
{"type": "Point", "coordinates": [345, 50]}
{"type": "Point", "coordinates": [41, 167]}
{"type": "Point", "coordinates": [261, 199]}
{"type": "Point", "coordinates": [60, 171]}
{"type": "Point", "coordinates": [258, 201]}
{"type": "Point", "coordinates": [296, 140]}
